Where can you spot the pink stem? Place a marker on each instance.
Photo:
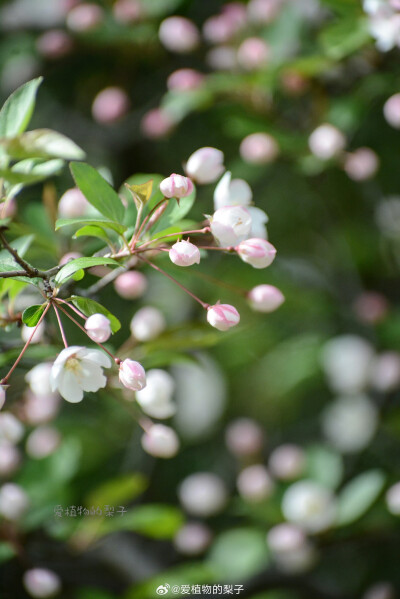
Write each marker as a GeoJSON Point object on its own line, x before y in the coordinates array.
{"type": "Point", "coordinates": [204, 230]}
{"type": "Point", "coordinates": [60, 325]}
{"type": "Point", "coordinates": [73, 308]}
{"type": "Point", "coordinates": [145, 220]}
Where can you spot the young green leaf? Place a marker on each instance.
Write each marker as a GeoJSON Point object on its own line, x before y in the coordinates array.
{"type": "Point", "coordinates": [74, 265]}
{"type": "Point", "coordinates": [97, 191]}
{"type": "Point", "coordinates": [358, 496]}
{"type": "Point", "coordinates": [95, 222]}
{"type": "Point", "coordinates": [89, 307]}
{"type": "Point", "coordinates": [31, 315]}
{"type": "Point", "coordinates": [18, 109]}
{"type": "Point", "coordinates": [42, 143]}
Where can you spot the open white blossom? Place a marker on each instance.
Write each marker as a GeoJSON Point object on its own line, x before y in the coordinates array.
{"type": "Point", "coordinates": [309, 505]}
{"type": "Point", "coordinates": [347, 362]}
{"type": "Point", "coordinates": [78, 369]}
{"type": "Point", "coordinates": [232, 192]}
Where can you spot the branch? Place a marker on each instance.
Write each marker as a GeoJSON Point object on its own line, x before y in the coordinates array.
{"type": "Point", "coordinates": [29, 271]}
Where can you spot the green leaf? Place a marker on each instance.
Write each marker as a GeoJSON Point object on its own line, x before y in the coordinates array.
{"type": "Point", "coordinates": [324, 466]}
{"type": "Point", "coordinates": [95, 222]}
{"type": "Point", "coordinates": [7, 552]}
{"type": "Point", "coordinates": [72, 267]}
{"type": "Point", "coordinates": [21, 244]}
{"type": "Point", "coordinates": [20, 174]}
{"type": "Point", "coordinates": [89, 307]}
{"type": "Point", "coordinates": [31, 315]}
{"type": "Point", "coordinates": [359, 495]}
{"type": "Point", "coordinates": [97, 191]}
{"type": "Point", "coordinates": [42, 143]}
{"type": "Point", "coordinates": [152, 520]}
{"type": "Point", "coordinates": [143, 179]}
{"type": "Point", "coordinates": [141, 192]}
{"type": "Point", "coordinates": [18, 109]}
{"type": "Point", "coordinates": [91, 231]}
{"type": "Point", "coordinates": [175, 211]}
{"type": "Point", "coordinates": [118, 490]}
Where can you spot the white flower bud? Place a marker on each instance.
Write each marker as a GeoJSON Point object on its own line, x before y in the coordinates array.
{"type": "Point", "coordinates": [391, 111]}
{"type": "Point", "coordinates": [179, 34]}
{"type": "Point", "coordinates": [11, 429]}
{"type": "Point", "coordinates": [223, 316]}
{"type": "Point", "coordinates": [287, 462]}
{"type": "Point", "coordinates": [203, 494]}
{"type": "Point", "coordinates": [156, 397]}
{"type": "Point", "coordinates": [230, 225]}
{"type": "Point", "coordinates": [26, 332]}
{"type": "Point", "coordinates": [255, 484]}
{"type": "Point", "coordinates": [132, 375]}
{"type": "Point", "coordinates": [184, 253]}
{"type": "Point", "coordinates": [361, 164]}
{"type": "Point", "coordinates": [98, 328]}
{"type": "Point", "coordinates": [147, 324]}
{"type": "Point", "coordinates": [230, 192]}
{"type": "Point", "coordinates": [309, 505]}
{"type": "Point", "coordinates": [326, 142]}
{"type": "Point", "coordinates": [259, 148]}
{"type": "Point", "coordinates": [347, 361]}
{"type": "Point", "coordinates": [13, 501]}
{"type": "Point", "coordinates": [43, 441]}
{"type": "Point", "coordinates": [131, 284]}
{"type": "Point", "coordinates": [176, 186]}
{"type": "Point", "coordinates": [244, 437]}
{"type": "Point", "coordinates": [259, 253]}
{"type": "Point", "coordinates": [160, 441]}
{"type": "Point", "coordinates": [110, 105]}
{"type": "Point", "coordinates": [349, 423]}
{"type": "Point", "coordinates": [41, 583]}
{"type": "Point", "coordinates": [72, 204]}
{"type": "Point", "coordinates": [193, 538]}
{"type": "Point", "coordinates": [205, 165]}
{"type": "Point", "coordinates": [265, 298]}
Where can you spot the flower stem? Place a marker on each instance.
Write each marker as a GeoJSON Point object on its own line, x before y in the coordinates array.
{"type": "Point", "coordinates": [60, 325]}
{"type": "Point", "coordinates": [200, 231]}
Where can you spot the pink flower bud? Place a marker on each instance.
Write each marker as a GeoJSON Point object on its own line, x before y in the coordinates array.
{"type": "Point", "coordinates": [391, 111]}
{"type": "Point", "coordinates": [244, 437]}
{"type": "Point", "coordinates": [254, 483]}
{"type": "Point", "coordinates": [8, 209]}
{"type": "Point", "coordinates": [127, 11]}
{"type": "Point", "coordinates": [2, 397]}
{"type": "Point", "coordinates": [286, 537]}
{"type": "Point", "coordinates": [185, 80]}
{"type": "Point", "coordinates": [361, 164]}
{"type": "Point", "coordinates": [147, 324]}
{"type": "Point", "coordinates": [385, 374]}
{"type": "Point", "coordinates": [160, 441]}
{"type": "Point", "coordinates": [70, 256]}
{"type": "Point", "coordinates": [371, 307]}
{"type": "Point", "coordinates": [40, 408]}
{"type": "Point", "coordinates": [156, 123]}
{"type": "Point", "coordinates": [230, 225]}
{"type": "Point", "coordinates": [41, 583]}
{"type": "Point", "coordinates": [253, 54]}
{"type": "Point", "coordinates": [259, 148]}
{"type": "Point", "coordinates": [42, 442]}
{"type": "Point", "coordinates": [205, 165]}
{"type": "Point", "coordinates": [193, 538]}
{"type": "Point", "coordinates": [265, 298]}
{"type": "Point", "coordinates": [10, 458]}
{"type": "Point", "coordinates": [110, 105]}
{"type": "Point", "coordinates": [72, 204]}
{"type": "Point", "coordinates": [259, 253]}
{"type": "Point", "coordinates": [131, 284]}
{"type": "Point", "coordinates": [326, 142]}
{"type": "Point", "coordinates": [223, 316]}
{"type": "Point", "coordinates": [222, 58]}
{"type": "Point", "coordinates": [54, 44]}
{"type": "Point", "coordinates": [98, 328]}
{"type": "Point", "coordinates": [132, 375]}
{"type": "Point", "coordinates": [178, 34]}
{"type": "Point", "coordinates": [287, 462]}
{"type": "Point", "coordinates": [13, 501]}
{"type": "Point", "coordinates": [85, 17]}
{"type": "Point", "coordinates": [263, 11]}
{"type": "Point", "coordinates": [184, 253]}
{"type": "Point", "coordinates": [176, 186]}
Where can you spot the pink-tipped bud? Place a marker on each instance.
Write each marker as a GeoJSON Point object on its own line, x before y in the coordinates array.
{"type": "Point", "coordinates": [244, 437]}
{"type": "Point", "coordinates": [230, 225]}
{"type": "Point", "coordinates": [8, 209]}
{"type": "Point", "coordinates": [259, 253]}
{"type": "Point", "coordinates": [391, 111]}
{"type": "Point", "coordinates": [265, 298]}
{"type": "Point", "coordinates": [176, 186]}
{"type": "Point", "coordinates": [85, 17]}
{"type": "Point", "coordinates": [223, 316]}
{"type": "Point", "coordinates": [160, 441]}
{"type": "Point", "coordinates": [361, 164]}
{"type": "Point", "coordinates": [326, 142]}
{"type": "Point", "coordinates": [54, 44]}
{"type": "Point", "coordinates": [205, 165]}
{"type": "Point", "coordinates": [184, 253]}
{"type": "Point", "coordinates": [156, 123]}
{"type": "Point", "coordinates": [185, 80]}
{"type": "Point", "coordinates": [41, 583]}
{"type": "Point", "coordinates": [98, 328]}
{"type": "Point", "coordinates": [253, 54]}
{"type": "Point", "coordinates": [132, 375]}
{"type": "Point", "coordinates": [127, 11]}
{"type": "Point", "coordinates": [110, 105]}
{"type": "Point", "coordinates": [72, 204]}
{"type": "Point", "coordinates": [259, 148]}
{"type": "Point", "coordinates": [131, 284]}
{"type": "Point", "coordinates": [178, 34]}
{"type": "Point", "coordinates": [147, 323]}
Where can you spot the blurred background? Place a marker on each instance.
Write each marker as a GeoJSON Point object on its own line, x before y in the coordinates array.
{"type": "Point", "coordinates": [290, 425]}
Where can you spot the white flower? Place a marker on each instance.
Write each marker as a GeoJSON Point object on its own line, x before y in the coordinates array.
{"type": "Point", "coordinates": [156, 398]}
{"type": "Point", "coordinates": [203, 494]}
{"type": "Point", "coordinates": [230, 192]}
{"type": "Point", "coordinates": [160, 441]}
{"type": "Point", "coordinates": [205, 165]}
{"type": "Point", "coordinates": [347, 362]}
{"type": "Point", "coordinates": [230, 225]}
{"type": "Point", "coordinates": [13, 501]}
{"type": "Point", "coordinates": [78, 369]}
{"type": "Point", "coordinates": [258, 221]}
{"type": "Point", "coordinates": [310, 505]}
{"type": "Point", "coordinates": [38, 379]}
{"type": "Point", "coordinates": [98, 328]}
{"type": "Point", "coordinates": [41, 583]}
{"type": "Point", "coordinates": [349, 423]}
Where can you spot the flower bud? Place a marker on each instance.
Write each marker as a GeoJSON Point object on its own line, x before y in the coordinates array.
{"type": "Point", "coordinates": [26, 332]}
{"type": "Point", "coordinates": [244, 437]}
{"type": "Point", "coordinates": [232, 192]}
{"type": "Point", "coordinates": [178, 34]}
{"type": "Point", "coordinates": [361, 164]}
{"type": "Point", "coordinates": [156, 398]}
{"type": "Point", "coordinates": [254, 483]}
{"type": "Point", "coordinates": [13, 501]}
{"type": "Point", "coordinates": [147, 324]}
{"type": "Point", "coordinates": [110, 105]}
{"type": "Point", "coordinates": [265, 298]}
{"type": "Point", "coordinates": [42, 442]}
{"type": "Point", "coordinates": [69, 256]}
{"type": "Point", "coordinates": [393, 499]}
{"type": "Point", "coordinates": [176, 186]}
{"type": "Point", "coordinates": [41, 583]}
{"type": "Point", "coordinates": [11, 429]}
{"type": "Point", "coordinates": [85, 17]}
{"type": "Point", "coordinates": [291, 550]}
{"type": "Point", "coordinates": [230, 225]}
{"type": "Point", "coordinates": [40, 408]}
{"type": "Point", "coordinates": [72, 204]}
{"type": "Point", "coordinates": [349, 423]}
{"type": "Point", "coordinates": [326, 142]}
{"type": "Point", "coordinates": [347, 361]}
{"type": "Point", "coordinates": [132, 375]}
{"type": "Point", "coordinates": [391, 111]}
{"type": "Point", "coordinates": [253, 53]}
{"type": "Point", "coordinates": [2, 396]}
{"type": "Point", "coordinates": [309, 505]}
{"type": "Point", "coordinates": [156, 123]}
{"type": "Point", "coordinates": [203, 494]}
{"type": "Point", "coordinates": [263, 11]}
{"type": "Point", "coordinates": [98, 328]}
{"type": "Point", "coordinates": [38, 379]}
{"type": "Point", "coordinates": [371, 307]}
{"type": "Point", "coordinates": [54, 44]}
{"type": "Point", "coordinates": [131, 284]}
{"type": "Point", "coordinates": [259, 148]}
{"type": "Point", "coordinates": [385, 374]}
{"type": "Point", "coordinates": [193, 538]}
{"type": "Point", "coordinates": [185, 80]}
{"type": "Point", "coordinates": [223, 316]}
{"type": "Point", "coordinates": [287, 462]}
{"type": "Point", "coordinates": [380, 590]}
{"type": "Point", "coordinates": [205, 165]}
{"type": "Point", "coordinates": [127, 11]}
{"type": "Point", "coordinates": [222, 58]}
{"type": "Point", "coordinates": [259, 253]}
{"type": "Point", "coordinates": [184, 253]}
{"type": "Point", "coordinates": [160, 441]}
{"type": "Point", "coordinates": [10, 458]}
